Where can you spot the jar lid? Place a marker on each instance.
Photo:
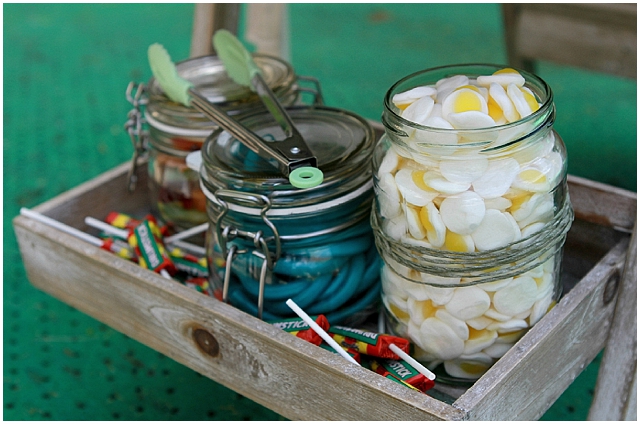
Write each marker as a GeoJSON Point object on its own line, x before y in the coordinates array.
{"type": "Point", "coordinates": [209, 77]}
{"type": "Point", "coordinates": [341, 141]}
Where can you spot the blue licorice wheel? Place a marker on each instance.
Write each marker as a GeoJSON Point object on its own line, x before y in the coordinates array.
{"type": "Point", "coordinates": [345, 290]}
{"type": "Point", "coordinates": [345, 312]}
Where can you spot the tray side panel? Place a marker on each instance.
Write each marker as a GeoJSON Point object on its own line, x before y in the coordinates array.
{"type": "Point", "coordinates": [273, 368]}
{"type": "Point", "coordinates": [533, 374]}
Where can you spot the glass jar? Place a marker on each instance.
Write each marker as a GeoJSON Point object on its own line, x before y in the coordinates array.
{"type": "Point", "coordinates": [176, 130]}
{"type": "Point", "coordinates": [470, 222]}
{"type": "Point", "coordinates": [268, 241]}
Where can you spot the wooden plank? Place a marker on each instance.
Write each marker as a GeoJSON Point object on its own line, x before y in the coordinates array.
{"type": "Point", "coordinates": [601, 39]}
{"type": "Point", "coordinates": [271, 367]}
{"type": "Point", "coordinates": [603, 204]}
{"type": "Point", "coordinates": [207, 19]}
{"type": "Point", "coordinates": [283, 373]}
{"type": "Point", "coordinates": [533, 374]}
{"type": "Point", "coordinates": [614, 398]}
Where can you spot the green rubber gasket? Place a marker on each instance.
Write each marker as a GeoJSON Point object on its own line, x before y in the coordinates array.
{"type": "Point", "coordinates": [306, 177]}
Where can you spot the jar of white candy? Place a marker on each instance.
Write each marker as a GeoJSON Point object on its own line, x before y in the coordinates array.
{"type": "Point", "coordinates": [471, 212]}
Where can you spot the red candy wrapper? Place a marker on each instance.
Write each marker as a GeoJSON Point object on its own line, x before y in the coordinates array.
{"type": "Point", "coordinates": [301, 329]}
{"type": "Point", "coordinates": [146, 240]}
{"type": "Point", "coordinates": [402, 371]}
{"type": "Point", "coordinates": [368, 342]}
{"type": "Point", "coordinates": [353, 353]}
{"type": "Point", "coordinates": [125, 222]}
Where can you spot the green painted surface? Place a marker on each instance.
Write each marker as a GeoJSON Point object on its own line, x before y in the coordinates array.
{"type": "Point", "coordinates": [66, 68]}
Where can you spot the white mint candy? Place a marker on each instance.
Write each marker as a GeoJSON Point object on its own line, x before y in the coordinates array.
{"type": "Point", "coordinates": [392, 283]}
{"type": "Point", "coordinates": [395, 227]}
{"type": "Point", "coordinates": [517, 297]}
{"type": "Point", "coordinates": [433, 224]}
{"type": "Point", "coordinates": [495, 230]}
{"type": "Point", "coordinates": [479, 323]}
{"type": "Point", "coordinates": [499, 95]}
{"type": "Point", "coordinates": [468, 302]}
{"type": "Point", "coordinates": [410, 191]}
{"type": "Point", "coordinates": [436, 112]}
{"type": "Point", "coordinates": [542, 213]}
{"type": "Point", "coordinates": [432, 140]}
{"type": "Point", "coordinates": [419, 110]}
{"type": "Point", "coordinates": [510, 337]}
{"type": "Point", "coordinates": [470, 120]}
{"type": "Point", "coordinates": [497, 350]}
{"type": "Point", "coordinates": [438, 183]}
{"type": "Point", "coordinates": [437, 280]}
{"type": "Point", "coordinates": [495, 285]}
{"type": "Point", "coordinates": [479, 340]}
{"type": "Point", "coordinates": [509, 326]}
{"type": "Point", "coordinates": [416, 93]}
{"type": "Point", "coordinates": [452, 82]}
{"type": "Point", "coordinates": [497, 178]}
{"type": "Point", "coordinates": [464, 100]}
{"type": "Point", "coordinates": [539, 309]}
{"type": "Point", "coordinates": [499, 203]}
{"type": "Point", "coordinates": [463, 171]}
{"type": "Point", "coordinates": [457, 325]}
{"type": "Point", "coordinates": [493, 314]}
{"type": "Point", "coordinates": [438, 295]}
{"type": "Point", "coordinates": [438, 338]}
{"type": "Point", "coordinates": [519, 102]}
{"type": "Point", "coordinates": [388, 196]}
{"type": "Point", "coordinates": [462, 213]}
{"type": "Point", "coordinates": [532, 229]}
{"type": "Point", "coordinates": [389, 163]}
{"type": "Point", "coordinates": [501, 77]}
{"type": "Point", "coordinates": [408, 239]}
{"type": "Point", "coordinates": [416, 229]}
{"type": "Point", "coordinates": [420, 310]}
{"type": "Point", "coordinates": [469, 366]}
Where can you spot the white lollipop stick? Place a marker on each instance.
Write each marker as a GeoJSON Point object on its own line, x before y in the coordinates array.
{"type": "Point", "coordinates": [165, 274]}
{"type": "Point", "coordinates": [60, 226]}
{"type": "Point", "coordinates": [417, 365]}
{"type": "Point", "coordinates": [306, 318]}
{"type": "Point", "coordinates": [118, 232]}
{"type": "Point", "coordinates": [187, 233]}
{"type": "Point", "coordinates": [198, 250]}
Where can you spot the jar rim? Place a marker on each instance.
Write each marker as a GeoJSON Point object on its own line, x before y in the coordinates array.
{"type": "Point", "coordinates": [529, 77]}
{"type": "Point", "coordinates": [341, 174]}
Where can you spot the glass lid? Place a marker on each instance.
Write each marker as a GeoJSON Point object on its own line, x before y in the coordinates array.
{"type": "Point", "coordinates": [209, 76]}
{"type": "Point", "coordinates": [341, 141]}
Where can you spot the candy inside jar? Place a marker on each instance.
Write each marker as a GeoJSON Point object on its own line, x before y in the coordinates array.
{"type": "Point", "coordinates": [176, 130]}
{"type": "Point", "coordinates": [471, 212]}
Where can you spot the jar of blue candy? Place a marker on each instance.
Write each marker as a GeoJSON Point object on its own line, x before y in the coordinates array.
{"type": "Point", "coordinates": [269, 241]}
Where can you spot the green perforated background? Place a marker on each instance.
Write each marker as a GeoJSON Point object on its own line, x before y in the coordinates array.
{"type": "Point", "coordinates": [66, 68]}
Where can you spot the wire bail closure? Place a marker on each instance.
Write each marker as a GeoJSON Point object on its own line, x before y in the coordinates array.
{"type": "Point", "coordinates": [134, 126]}
{"type": "Point", "coordinates": [261, 249]}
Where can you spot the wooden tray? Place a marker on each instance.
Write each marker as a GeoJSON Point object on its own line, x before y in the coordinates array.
{"type": "Point", "coordinates": [301, 381]}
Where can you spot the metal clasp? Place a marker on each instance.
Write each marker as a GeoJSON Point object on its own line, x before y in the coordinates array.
{"type": "Point", "coordinates": [316, 91]}
{"type": "Point", "coordinates": [135, 127]}
{"type": "Point", "coordinates": [260, 243]}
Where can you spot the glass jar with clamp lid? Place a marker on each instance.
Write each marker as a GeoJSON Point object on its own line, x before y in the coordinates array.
{"type": "Point", "coordinates": [269, 241]}
{"type": "Point", "coordinates": [167, 131]}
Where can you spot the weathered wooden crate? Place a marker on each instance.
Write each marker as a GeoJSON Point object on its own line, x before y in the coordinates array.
{"type": "Point", "coordinates": [297, 379]}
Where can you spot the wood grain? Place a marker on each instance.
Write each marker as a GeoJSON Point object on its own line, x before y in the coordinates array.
{"type": "Point", "coordinates": [525, 382]}
{"type": "Point", "coordinates": [292, 377]}
{"type": "Point", "coordinates": [615, 397]}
